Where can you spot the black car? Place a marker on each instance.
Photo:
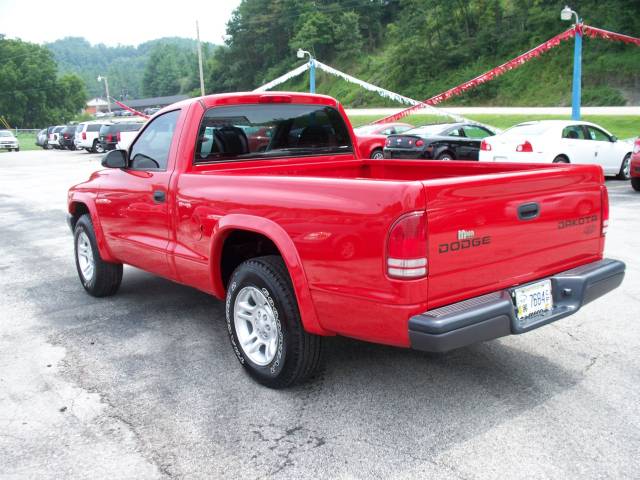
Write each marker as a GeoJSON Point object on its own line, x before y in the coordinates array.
{"type": "Point", "coordinates": [66, 137]}
{"type": "Point", "coordinates": [445, 141]}
{"type": "Point", "coordinates": [110, 134]}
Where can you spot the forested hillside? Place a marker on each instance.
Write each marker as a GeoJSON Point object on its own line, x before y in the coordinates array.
{"type": "Point", "coordinates": [422, 47]}
{"type": "Point", "coordinates": [165, 66]}
{"type": "Point", "coordinates": [415, 47]}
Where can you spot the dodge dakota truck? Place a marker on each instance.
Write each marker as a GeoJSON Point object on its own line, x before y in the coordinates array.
{"type": "Point", "coordinates": [261, 199]}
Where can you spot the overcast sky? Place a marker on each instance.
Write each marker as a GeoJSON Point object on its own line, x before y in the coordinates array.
{"type": "Point", "coordinates": [113, 22]}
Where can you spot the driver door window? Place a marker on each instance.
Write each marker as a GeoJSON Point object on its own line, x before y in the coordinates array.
{"type": "Point", "coordinates": [151, 149]}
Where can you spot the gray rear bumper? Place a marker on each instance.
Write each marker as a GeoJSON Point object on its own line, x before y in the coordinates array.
{"type": "Point", "coordinates": [493, 315]}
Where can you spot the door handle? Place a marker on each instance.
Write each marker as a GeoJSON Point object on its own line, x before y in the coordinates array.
{"type": "Point", "coordinates": [528, 211]}
{"type": "Point", "coordinates": [159, 196]}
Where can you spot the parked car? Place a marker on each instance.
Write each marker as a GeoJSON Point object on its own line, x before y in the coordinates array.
{"type": "Point", "coordinates": [42, 138]}
{"type": "Point", "coordinates": [635, 166]}
{"type": "Point", "coordinates": [371, 138]}
{"type": "Point", "coordinates": [444, 141]}
{"type": "Point", "coordinates": [560, 141]}
{"type": "Point", "coordinates": [54, 137]}
{"type": "Point", "coordinates": [87, 134]}
{"type": "Point", "coordinates": [110, 135]}
{"type": "Point", "coordinates": [151, 111]}
{"type": "Point", "coordinates": [66, 137]}
{"type": "Point", "coordinates": [438, 256]}
{"type": "Point", "coordinates": [8, 141]}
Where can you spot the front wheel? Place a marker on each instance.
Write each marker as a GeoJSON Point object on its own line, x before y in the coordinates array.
{"type": "Point", "coordinates": [635, 183]}
{"type": "Point", "coordinates": [625, 168]}
{"type": "Point", "coordinates": [99, 278]}
{"type": "Point", "coordinates": [264, 324]}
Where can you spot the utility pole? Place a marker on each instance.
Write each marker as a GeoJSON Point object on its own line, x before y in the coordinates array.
{"type": "Point", "coordinates": [200, 60]}
{"type": "Point", "coordinates": [106, 86]}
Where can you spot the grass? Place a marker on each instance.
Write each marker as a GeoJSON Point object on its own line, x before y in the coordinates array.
{"type": "Point", "coordinates": [622, 126]}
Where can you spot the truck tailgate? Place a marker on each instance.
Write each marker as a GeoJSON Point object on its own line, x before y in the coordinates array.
{"type": "Point", "coordinates": [495, 231]}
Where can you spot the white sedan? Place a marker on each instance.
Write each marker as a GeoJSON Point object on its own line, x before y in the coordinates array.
{"type": "Point", "coordinates": [559, 141]}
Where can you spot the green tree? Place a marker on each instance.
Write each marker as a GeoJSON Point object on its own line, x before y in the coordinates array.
{"type": "Point", "coordinates": [31, 94]}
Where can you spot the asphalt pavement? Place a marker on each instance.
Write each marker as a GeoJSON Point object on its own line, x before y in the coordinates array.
{"type": "Point", "coordinates": [145, 385]}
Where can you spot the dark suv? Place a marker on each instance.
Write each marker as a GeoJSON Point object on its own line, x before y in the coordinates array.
{"type": "Point", "coordinates": [66, 136]}
{"type": "Point", "coordinates": [110, 134]}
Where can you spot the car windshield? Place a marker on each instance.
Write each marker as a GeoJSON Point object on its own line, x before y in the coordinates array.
{"type": "Point", "coordinates": [528, 129]}
{"type": "Point", "coordinates": [429, 129]}
{"type": "Point", "coordinates": [6, 134]}
{"type": "Point", "coordinates": [366, 129]}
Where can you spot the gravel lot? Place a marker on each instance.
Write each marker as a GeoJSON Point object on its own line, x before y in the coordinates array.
{"type": "Point", "coordinates": [145, 385]}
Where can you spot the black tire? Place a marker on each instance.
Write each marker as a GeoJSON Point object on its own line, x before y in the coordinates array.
{"type": "Point", "coordinates": [17, 149]}
{"type": "Point", "coordinates": [297, 355]}
{"type": "Point", "coordinates": [97, 147]}
{"type": "Point", "coordinates": [445, 156]}
{"type": "Point", "coordinates": [561, 159]}
{"type": "Point", "coordinates": [635, 183]}
{"type": "Point", "coordinates": [625, 169]}
{"type": "Point", "coordinates": [106, 277]}
{"type": "Point", "coordinates": [377, 154]}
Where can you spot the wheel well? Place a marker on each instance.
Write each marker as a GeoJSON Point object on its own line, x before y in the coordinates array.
{"type": "Point", "coordinates": [446, 150]}
{"type": "Point", "coordinates": [562, 155]}
{"type": "Point", "coordinates": [241, 245]}
{"type": "Point", "coordinates": [77, 210]}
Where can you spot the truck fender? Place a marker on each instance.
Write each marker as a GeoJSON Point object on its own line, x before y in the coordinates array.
{"type": "Point", "coordinates": [75, 200]}
{"type": "Point", "coordinates": [288, 251]}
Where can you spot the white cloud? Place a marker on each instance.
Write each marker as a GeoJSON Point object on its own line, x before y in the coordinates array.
{"type": "Point", "coordinates": [113, 22]}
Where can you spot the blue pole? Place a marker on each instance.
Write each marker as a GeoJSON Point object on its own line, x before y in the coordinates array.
{"type": "Point", "coordinates": [577, 76]}
{"type": "Point", "coordinates": [312, 75]}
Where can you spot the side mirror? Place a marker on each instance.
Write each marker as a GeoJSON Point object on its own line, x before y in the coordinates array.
{"type": "Point", "coordinates": [115, 159]}
{"type": "Point", "coordinates": [614, 138]}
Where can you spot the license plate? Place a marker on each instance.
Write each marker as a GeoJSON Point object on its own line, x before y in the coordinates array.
{"type": "Point", "coordinates": [533, 299]}
{"type": "Point", "coordinates": [499, 159]}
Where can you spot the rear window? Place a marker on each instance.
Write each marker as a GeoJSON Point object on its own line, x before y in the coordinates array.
{"type": "Point", "coordinates": [267, 131]}
{"type": "Point", "coordinates": [429, 129]}
{"type": "Point", "coordinates": [528, 129]}
{"type": "Point", "coordinates": [94, 127]}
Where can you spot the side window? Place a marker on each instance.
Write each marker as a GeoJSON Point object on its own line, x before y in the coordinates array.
{"type": "Point", "coordinates": [388, 131]}
{"type": "Point", "coordinates": [270, 130]}
{"type": "Point", "coordinates": [151, 149]}
{"type": "Point", "coordinates": [93, 128]}
{"type": "Point", "coordinates": [402, 128]}
{"type": "Point", "coordinates": [573, 132]}
{"type": "Point", "coordinates": [597, 134]}
{"type": "Point", "coordinates": [456, 132]}
{"type": "Point", "coordinates": [473, 131]}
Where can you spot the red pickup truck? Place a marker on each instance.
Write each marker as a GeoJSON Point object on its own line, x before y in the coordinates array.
{"type": "Point", "coordinates": [303, 239]}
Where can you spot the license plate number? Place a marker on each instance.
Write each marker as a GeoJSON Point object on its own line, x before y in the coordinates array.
{"type": "Point", "coordinates": [533, 299]}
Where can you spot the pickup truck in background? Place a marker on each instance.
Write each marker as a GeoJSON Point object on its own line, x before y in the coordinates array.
{"type": "Point", "coordinates": [304, 239]}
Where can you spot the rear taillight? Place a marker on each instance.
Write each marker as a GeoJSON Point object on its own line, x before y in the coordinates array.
{"type": "Point", "coordinates": [484, 146]}
{"type": "Point", "coordinates": [84, 135]}
{"type": "Point", "coordinates": [524, 147]}
{"type": "Point", "coordinates": [66, 136]}
{"type": "Point", "coordinates": [419, 143]}
{"type": "Point", "coordinates": [605, 210]}
{"type": "Point", "coordinates": [109, 138]}
{"type": "Point", "coordinates": [388, 144]}
{"type": "Point", "coordinates": [118, 136]}
{"type": "Point", "coordinates": [407, 247]}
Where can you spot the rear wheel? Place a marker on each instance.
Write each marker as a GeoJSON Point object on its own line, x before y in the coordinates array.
{"type": "Point", "coordinates": [635, 183]}
{"type": "Point", "coordinates": [445, 156]}
{"type": "Point", "coordinates": [99, 278]}
{"type": "Point", "coordinates": [625, 168]}
{"type": "Point", "coordinates": [264, 324]}
{"type": "Point", "coordinates": [97, 147]}
{"type": "Point", "coordinates": [561, 159]}
{"type": "Point", "coordinates": [377, 154]}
